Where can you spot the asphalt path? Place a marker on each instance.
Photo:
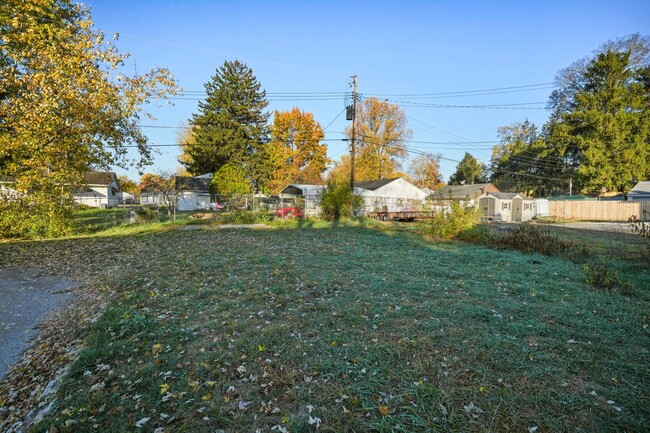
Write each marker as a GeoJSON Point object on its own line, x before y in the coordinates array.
{"type": "Point", "coordinates": [25, 301]}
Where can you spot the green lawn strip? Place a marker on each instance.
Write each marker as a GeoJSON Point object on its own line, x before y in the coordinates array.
{"type": "Point", "coordinates": [115, 221]}
{"type": "Point", "coordinates": [368, 330]}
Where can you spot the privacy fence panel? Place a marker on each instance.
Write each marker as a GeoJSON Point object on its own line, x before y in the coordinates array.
{"type": "Point", "coordinates": [599, 210]}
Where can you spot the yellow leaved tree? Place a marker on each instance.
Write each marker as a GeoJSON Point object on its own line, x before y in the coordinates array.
{"type": "Point", "coordinates": [381, 133]}
{"type": "Point", "coordinates": [65, 108]}
{"type": "Point", "coordinates": [296, 152]}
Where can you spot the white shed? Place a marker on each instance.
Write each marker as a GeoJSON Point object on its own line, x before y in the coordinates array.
{"type": "Point", "coordinates": [389, 195]}
{"type": "Point", "coordinates": [541, 208]}
{"type": "Point", "coordinates": [507, 206]}
{"type": "Point", "coordinates": [307, 197]}
{"type": "Point", "coordinates": [192, 193]}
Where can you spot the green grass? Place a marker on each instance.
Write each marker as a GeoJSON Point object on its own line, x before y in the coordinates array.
{"type": "Point", "coordinates": [105, 221]}
{"type": "Point", "coordinates": [373, 327]}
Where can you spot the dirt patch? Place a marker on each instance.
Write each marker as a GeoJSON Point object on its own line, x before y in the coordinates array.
{"type": "Point", "coordinates": [204, 216]}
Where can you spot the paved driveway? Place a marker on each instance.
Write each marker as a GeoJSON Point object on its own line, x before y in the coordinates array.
{"type": "Point", "coordinates": [25, 300]}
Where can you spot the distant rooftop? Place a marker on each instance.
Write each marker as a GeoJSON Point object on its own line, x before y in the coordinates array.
{"type": "Point", "coordinates": [462, 192]}
{"type": "Point", "coordinates": [372, 185]}
{"type": "Point", "coordinates": [641, 188]}
{"type": "Point", "coordinates": [99, 177]}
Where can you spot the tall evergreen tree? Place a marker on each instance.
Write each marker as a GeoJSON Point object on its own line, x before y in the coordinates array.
{"type": "Point", "coordinates": [468, 171]}
{"type": "Point", "coordinates": [606, 131]}
{"type": "Point", "coordinates": [231, 125]}
{"type": "Point", "coordinates": [521, 162]}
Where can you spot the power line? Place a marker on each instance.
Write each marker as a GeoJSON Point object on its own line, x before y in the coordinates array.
{"type": "Point", "coordinates": [333, 139]}
{"type": "Point", "coordinates": [513, 106]}
{"type": "Point", "coordinates": [479, 92]}
{"type": "Point", "coordinates": [337, 116]}
{"type": "Point", "coordinates": [525, 86]}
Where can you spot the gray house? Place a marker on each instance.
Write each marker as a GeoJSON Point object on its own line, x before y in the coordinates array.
{"type": "Point", "coordinates": [641, 191]}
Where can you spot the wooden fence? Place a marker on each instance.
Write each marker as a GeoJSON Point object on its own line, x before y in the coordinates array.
{"type": "Point", "coordinates": [599, 210]}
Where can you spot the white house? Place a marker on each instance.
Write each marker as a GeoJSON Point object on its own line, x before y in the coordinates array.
{"type": "Point", "coordinates": [307, 197]}
{"type": "Point", "coordinates": [150, 198]}
{"type": "Point", "coordinates": [101, 190]}
{"type": "Point", "coordinates": [125, 198]}
{"type": "Point", "coordinates": [641, 191]}
{"type": "Point", "coordinates": [193, 193]}
{"type": "Point", "coordinates": [507, 206]}
{"type": "Point", "coordinates": [389, 195]}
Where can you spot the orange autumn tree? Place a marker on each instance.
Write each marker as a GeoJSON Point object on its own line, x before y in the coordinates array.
{"type": "Point", "coordinates": [381, 135]}
{"type": "Point", "coordinates": [295, 150]}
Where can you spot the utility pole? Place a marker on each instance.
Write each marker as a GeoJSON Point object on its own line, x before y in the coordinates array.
{"type": "Point", "coordinates": [352, 146]}
{"type": "Point", "coordinates": [570, 186]}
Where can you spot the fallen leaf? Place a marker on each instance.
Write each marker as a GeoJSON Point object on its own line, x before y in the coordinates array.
{"type": "Point", "coordinates": [142, 422]}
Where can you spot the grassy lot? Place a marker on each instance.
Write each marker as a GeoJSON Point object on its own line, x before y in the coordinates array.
{"type": "Point", "coordinates": [98, 220]}
{"type": "Point", "coordinates": [322, 327]}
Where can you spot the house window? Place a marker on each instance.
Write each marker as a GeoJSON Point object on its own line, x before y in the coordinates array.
{"type": "Point", "coordinates": [504, 206]}
{"type": "Point", "coordinates": [526, 206]}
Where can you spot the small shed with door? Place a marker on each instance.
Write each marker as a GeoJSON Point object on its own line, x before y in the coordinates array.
{"type": "Point", "coordinates": [304, 196]}
{"type": "Point", "coordinates": [507, 206]}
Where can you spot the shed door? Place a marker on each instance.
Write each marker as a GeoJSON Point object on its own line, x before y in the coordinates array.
{"type": "Point", "coordinates": [484, 205]}
{"type": "Point", "coordinates": [517, 205]}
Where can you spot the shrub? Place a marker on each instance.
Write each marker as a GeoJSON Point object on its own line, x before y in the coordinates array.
{"type": "Point", "coordinates": [335, 202]}
{"type": "Point", "coordinates": [450, 224]}
{"type": "Point", "coordinates": [230, 179]}
{"type": "Point", "coordinates": [146, 214]}
{"type": "Point", "coordinates": [530, 239]}
{"type": "Point", "coordinates": [479, 234]}
{"type": "Point", "coordinates": [602, 278]}
{"type": "Point", "coordinates": [36, 216]}
{"type": "Point", "coordinates": [246, 217]}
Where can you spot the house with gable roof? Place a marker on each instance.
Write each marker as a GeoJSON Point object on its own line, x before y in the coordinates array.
{"type": "Point", "coordinates": [462, 193]}
{"type": "Point", "coordinates": [101, 190]}
{"type": "Point", "coordinates": [389, 195]}
{"type": "Point", "coordinates": [193, 193]}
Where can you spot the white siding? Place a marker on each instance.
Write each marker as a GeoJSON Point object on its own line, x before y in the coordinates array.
{"type": "Point", "coordinates": [191, 200]}
{"type": "Point", "coordinates": [97, 196]}
{"type": "Point", "coordinates": [394, 196]}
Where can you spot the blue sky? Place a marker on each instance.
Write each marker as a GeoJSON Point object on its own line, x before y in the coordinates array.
{"type": "Point", "coordinates": [395, 48]}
